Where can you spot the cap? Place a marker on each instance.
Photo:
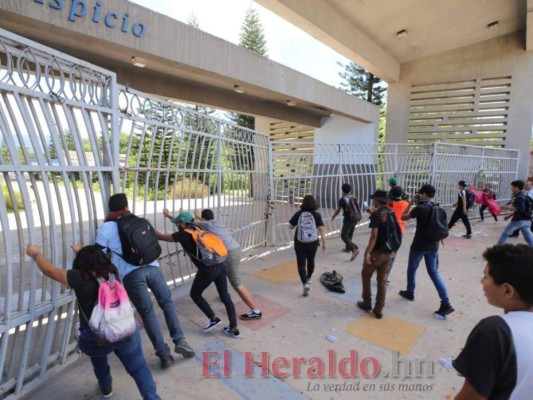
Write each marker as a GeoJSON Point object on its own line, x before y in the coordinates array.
{"type": "Point", "coordinates": [393, 181]}
{"type": "Point", "coordinates": [427, 189]}
{"type": "Point", "coordinates": [396, 193]}
{"type": "Point", "coordinates": [382, 196]}
{"type": "Point", "coordinates": [183, 217]}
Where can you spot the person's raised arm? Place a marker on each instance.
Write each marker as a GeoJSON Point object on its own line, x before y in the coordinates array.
{"type": "Point", "coordinates": [166, 237]}
{"type": "Point", "coordinates": [46, 266]}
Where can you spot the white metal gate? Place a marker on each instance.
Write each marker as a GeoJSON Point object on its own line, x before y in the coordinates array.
{"type": "Point", "coordinates": [70, 136]}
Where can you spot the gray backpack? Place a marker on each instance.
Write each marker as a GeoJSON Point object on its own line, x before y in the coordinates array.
{"type": "Point", "coordinates": [307, 231]}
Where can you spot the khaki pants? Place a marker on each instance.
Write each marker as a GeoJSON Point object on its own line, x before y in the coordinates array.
{"type": "Point", "coordinates": [380, 263]}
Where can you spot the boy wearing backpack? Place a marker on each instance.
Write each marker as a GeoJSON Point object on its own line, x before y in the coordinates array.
{"type": "Point", "coordinates": [308, 223]}
{"type": "Point", "coordinates": [425, 246]}
{"type": "Point", "coordinates": [377, 253]}
{"type": "Point", "coordinates": [208, 271]}
{"type": "Point", "coordinates": [137, 280]}
{"type": "Point", "coordinates": [352, 215]}
{"type": "Point", "coordinates": [522, 207]}
{"type": "Point", "coordinates": [464, 202]}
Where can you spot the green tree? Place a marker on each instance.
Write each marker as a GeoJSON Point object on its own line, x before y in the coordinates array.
{"type": "Point", "coordinates": [363, 84]}
{"type": "Point", "coordinates": [252, 38]}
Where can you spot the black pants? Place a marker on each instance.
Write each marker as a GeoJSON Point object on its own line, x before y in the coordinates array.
{"type": "Point", "coordinates": [305, 254]}
{"type": "Point", "coordinates": [482, 211]}
{"type": "Point", "coordinates": [202, 280]}
{"type": "Point", "coordinates": [458, 214]}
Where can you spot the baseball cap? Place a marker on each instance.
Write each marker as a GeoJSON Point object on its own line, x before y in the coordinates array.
{"type": "Point", "coordinates": [393, 181]}
{"type": "Point", "coordinates": [183, 217]}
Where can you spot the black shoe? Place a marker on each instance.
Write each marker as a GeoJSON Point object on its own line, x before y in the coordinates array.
{"type": "Point", "coordinates": [468, 236]}
{"type": "Point", "coordinates": [406, 295]}
{"type": "Point", "coordinates": [183, 348]}
{"type": "Point", "coordinates": [106, 393]}
{"type": "Point", "coordinates": [166, 361]}
{"type": "Point", "coordinates": [364, 306]}
{"type": "Point", "coordinates": [445, 309]}
{"type": "Point", "coordinates": [377, 315]}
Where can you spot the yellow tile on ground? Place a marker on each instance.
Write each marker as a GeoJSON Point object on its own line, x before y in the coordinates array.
{"type": "Point", "coordinates": [279, 273]}
{"type": "Point", "coordinates": [390, 333]}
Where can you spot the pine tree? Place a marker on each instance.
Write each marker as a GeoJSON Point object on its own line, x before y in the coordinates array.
{"type": "Point", "coordinates": [361, 83]}
{"type": "Point", "coordinates": [252, 38]}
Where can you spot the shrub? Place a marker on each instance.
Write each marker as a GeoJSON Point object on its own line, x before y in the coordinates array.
{"type": "Point", "coordinates": [188, 189]}
{"type": "Point", "coordinates": [9, 201]}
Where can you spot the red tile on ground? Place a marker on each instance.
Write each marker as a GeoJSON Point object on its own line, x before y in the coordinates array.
{"type": "Point", "coordinates": [270, 309]}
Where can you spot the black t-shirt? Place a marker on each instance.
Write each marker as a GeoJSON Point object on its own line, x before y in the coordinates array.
{"type": "Point", "coordinates": [488, 361]}
{"type": "Point", "coordinates": [294, 222]}
{"type": "Point", "coordinates": [190, 247]}
{"type": "Point", "coordinates": [343, 203]}
{"type": "Point", "coordinates": [378, 219]}
{"type": "Point", "coordinates": [420, 242]}
{"type": "Point", "coordinates": [86, 290]}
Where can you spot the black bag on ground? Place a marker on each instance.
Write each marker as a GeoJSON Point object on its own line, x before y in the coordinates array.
{"type": "Point", "coordinates": [139, 241]}
{"type": "Point", "coordinates": [332, 281]}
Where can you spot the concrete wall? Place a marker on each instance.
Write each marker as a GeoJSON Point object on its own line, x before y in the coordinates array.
{"type": "Point", "coordinates": [503, 56]}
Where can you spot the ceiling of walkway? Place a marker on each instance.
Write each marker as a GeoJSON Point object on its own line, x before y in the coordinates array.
{"type": "Point", "coordinates": [433, 26]}
{"type": "Point", "coordinates": [367, 31]}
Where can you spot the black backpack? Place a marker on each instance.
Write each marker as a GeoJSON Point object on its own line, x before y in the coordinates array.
{"type": "Point", "coordinates": [139, 241]}
{"type": "Point", "coordinates": [436, 228]}
{"type": "Point", "coordinates": [470, 197]}
{"type": "Point", "coordinates": [394, 233]}
{"type": "Point", "coordinates": [353, 212]}
{"type": "Point", "coordinates": [528, 201]}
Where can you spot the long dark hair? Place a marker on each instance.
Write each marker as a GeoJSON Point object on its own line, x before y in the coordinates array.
{"type": "Point", "coordinates": [309, 203]}
{"type": "Point", "coordinates": [92, 260]}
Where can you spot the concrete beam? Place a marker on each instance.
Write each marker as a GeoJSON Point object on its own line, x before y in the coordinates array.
{"type": "Point", "coordinates": [529, 25]}
{"type": "Point", "coordinates": [167, 87]}
{"type": "Point", "coordinates": [323, 23]}
{"type": "Point", "coordinates": [180, 52]}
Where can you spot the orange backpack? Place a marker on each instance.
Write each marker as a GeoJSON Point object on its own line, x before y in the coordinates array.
{"type": "Point", "coordinates": [210, 248]}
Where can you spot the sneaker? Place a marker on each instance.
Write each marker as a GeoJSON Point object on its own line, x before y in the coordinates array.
{"type": "Point", "coordinates": [364, 306]}
{"type": "Point", "coordinates": [234, 333]}
{"type": "Point", "coordinates": [377, 315]}
{"type": "Point", "coordinates": [445, 309]}
{"type": "Point", "coordinates": [251, 315]}
{"type": "Point", "coordinates": [346, 250]}
{"type": "Point", "coordinates": [211, 324]}
{"type": "Point", "coordinates": [166, 361]}
{"type": "Point", "coordinates": [467, 236]}
{"type": "Point", "coordinates": [108, 392]}
{"type": "Point", "coordinates": [307, 286]}
{"type": "Point", "coordinates": [354, 254]}
{"type": "Point", "coordinates": [183, 348]}
{"type": "Point", "coordinates": [406, 295]}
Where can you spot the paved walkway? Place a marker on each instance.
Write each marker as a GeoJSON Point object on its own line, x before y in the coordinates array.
{"type": "Point", "coordinates": [398, 357]}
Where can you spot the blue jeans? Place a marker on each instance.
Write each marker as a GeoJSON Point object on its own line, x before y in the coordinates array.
{"type": "Point", "coordinates": [432, 265]}
{"type": "Point", "coordinates": [137, 283]}
{"type": "Point", "coordinates": [130, 353]}
{"type": "Point", "coordinates": [523, 226]}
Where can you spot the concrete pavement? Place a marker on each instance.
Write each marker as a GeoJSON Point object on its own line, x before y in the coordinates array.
{"type": "Point", "coordinates": [317, 347]}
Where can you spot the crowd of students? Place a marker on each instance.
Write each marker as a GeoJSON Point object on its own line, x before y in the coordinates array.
{"type": "Point", "coordinates": [496, 361]}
